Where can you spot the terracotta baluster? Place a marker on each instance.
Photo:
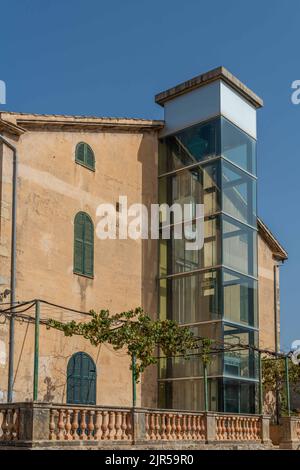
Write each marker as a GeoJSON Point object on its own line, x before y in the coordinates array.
{"type": "Point", "coordinates": [4, 425]}
{"type": "Point", "coordinates": [232, 428]}
{"type": "Point", "coordinates": [90, 426]}
{"type": "Point", "coordinates": [178, 428]}
{"type": "Point", "coordinates": [173, 425]}
{"type": "Point", "coordinates": [163, 427]}
{"type": "Point", "coordinates": [237, 428]}
{"type": "Point", "coordinates": [168, 426]}
{"type": "Point", "coordinates": [83, 425]}
{"type": "Point", "coordinates": [111, 425]}
{"type": "Point", "coordinates": [203, 428]}
{"type": "Point", "coordinates": [152, 427]}
{"type": "Point", "coordinates": [10, 422]}
{"type": "Point", "coordinates": [157, 426]}
{"type": "Point", "coordinates": [189, 428]}
{"type": "Point", "coordinates": [68, 426]}
{"type": "Point", "coordinates": [124, 426]}
{"type": "Point", "coordinates": [194, 427]}
{"type": "Point", "coordinates": [104, 425]}
{"type": "Point", "coordinates": [225, 428]}
{"type": "Point", "coordinates": [184, 427]}
{"type": "Point", "coordinates": [75, 425]}
{"type": "Point", "coordinates": [98, 424]}
{"type": "Point", "coordinates": [52, 435]}
{"type": "Point", "coordinates": [61, 425]}
{"type": "Point", "coordinates": [118, 425]}
{"type": "Point", "coordinates": [15, 430]}
{"type": "Point", "coordinates": [129, 426]}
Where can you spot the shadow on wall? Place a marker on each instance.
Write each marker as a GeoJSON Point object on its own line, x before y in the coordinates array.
{"type": "Point", "coordinates": [148, 157]}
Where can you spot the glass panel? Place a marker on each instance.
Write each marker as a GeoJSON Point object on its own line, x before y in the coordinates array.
{"type": "Point", "coordinates": [179, 367]}
{"type": "Point", "coordinates": [239, 194]}
{"type": "Point", "coordinates": [239, 298]}
{"type": "Point", "coordinates": [240, 362]}
{"type": "Point", "coordinates": [190, 299]}
{"type": "Point", "coordinates": [239, 247]}
{"type": "Point", "coordinates": [181, 395]}
{"type": "Point", "coordinates": [188, 395]}
{"type": "Point", "coordinates": [240, 397]}
{"type": "Point", "coordinates": [176, 257]}
{"type": "Point", "coordinates": [238, 147]}
{"type": "Point", "coordinates": [189, 146]}
{"type": "Point", "coordinates": [197, 186]}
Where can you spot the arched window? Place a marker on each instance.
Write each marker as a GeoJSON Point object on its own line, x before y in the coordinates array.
{"type": "Point", "coordinates": [83, 244]}
{"type": "Point", "coordinates": [81, 379]}
{"type": "Point", "coordinates": [85, 155]}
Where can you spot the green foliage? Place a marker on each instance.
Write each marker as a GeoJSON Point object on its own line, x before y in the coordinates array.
{"type": "Point", "coordinates": [274, 378]}
{"type": "Point", "coordinates": [137, 332]}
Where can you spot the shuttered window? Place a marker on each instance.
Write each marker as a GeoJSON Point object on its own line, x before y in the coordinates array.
{"type": "Point", "coordinates": [81, 380]}
{"type": "Point", "coordinates": [83, 244]}
{"type": "Point", "coordinates": [85, 155]}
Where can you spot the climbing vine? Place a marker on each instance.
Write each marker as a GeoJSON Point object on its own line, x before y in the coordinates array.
{"type": "Point", "coordinates": [138, 333]}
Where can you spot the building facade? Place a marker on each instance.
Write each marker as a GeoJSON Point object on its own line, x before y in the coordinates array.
{"type": "Point", "coordinates": [204, 151]}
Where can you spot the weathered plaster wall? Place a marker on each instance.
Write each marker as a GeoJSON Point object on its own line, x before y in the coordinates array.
{"type": "Point", "coordinates": [52, 188]}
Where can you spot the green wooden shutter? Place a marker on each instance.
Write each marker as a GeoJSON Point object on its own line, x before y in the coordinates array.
{"type": "Point", "coordinates": [79, 242]}
{"type": "Point", "coordinates": [83, 245]}
{"type": "Point", "coordinates": [89, 157]}
{"type": "Point", "coordinates": [81, 380]}
{"type": "Point", "coordinates": [80, 151]}
{"type": "Point", "coordinates": [88, 247]}
{"type": "Point", "coordinates": [85, 155]}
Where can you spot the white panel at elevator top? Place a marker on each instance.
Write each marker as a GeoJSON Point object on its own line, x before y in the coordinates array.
{"type": "Point", "coordinates": [205, 103]}
{"type": "Point", "coordinates": [239, 111]}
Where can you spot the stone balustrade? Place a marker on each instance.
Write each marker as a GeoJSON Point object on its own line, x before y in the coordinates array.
{"type": "Point", "coordinates": [35, 424]}
{"type": "Point", "coordinates": [89, 423]}
{"type": "Point", "coordinates": [9, 423]}
{"type": "Point", "coordinates": [174, 426]}
{"type": "Point", "coordinates": [238, 428]}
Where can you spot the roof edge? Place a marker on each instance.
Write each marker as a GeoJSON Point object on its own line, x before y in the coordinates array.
{"type": "Point", "coordinates": [278, 251]}
{"type": "Point", "coordinates": [219, 73]}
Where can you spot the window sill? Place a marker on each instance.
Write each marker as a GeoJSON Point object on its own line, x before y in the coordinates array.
{"type": "Point", "coordinates": [83, 275]}
{"type": "Point", "coordinates": [85, 166]}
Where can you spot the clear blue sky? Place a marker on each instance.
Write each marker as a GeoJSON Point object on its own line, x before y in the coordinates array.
{"type": "Point", "coordinates": [109, 58]}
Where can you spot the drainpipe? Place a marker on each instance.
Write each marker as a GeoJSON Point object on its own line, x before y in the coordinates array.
{"type": "Point", "coordinates": [12, 271]}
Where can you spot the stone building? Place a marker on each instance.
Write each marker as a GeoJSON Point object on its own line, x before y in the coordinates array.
{"type": "Point", "coordinates": [203, 151]}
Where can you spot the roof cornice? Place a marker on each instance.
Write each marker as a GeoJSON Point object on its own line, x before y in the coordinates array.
{"type": "Point", "coordinates": [219, 73]}
{"type": "Point", "coordinates": [10, 128]}
{"type": "Point", "coordinates": [90, 125]}
{"type": "Point", "coordinates": [278, 251]}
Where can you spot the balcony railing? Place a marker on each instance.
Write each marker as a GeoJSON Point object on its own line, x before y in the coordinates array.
{"type": "Point", "coordinates": [58, 424]}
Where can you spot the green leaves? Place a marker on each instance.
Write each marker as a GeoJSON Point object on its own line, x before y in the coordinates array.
{"type": "Point", "coordinates": [136, 331]}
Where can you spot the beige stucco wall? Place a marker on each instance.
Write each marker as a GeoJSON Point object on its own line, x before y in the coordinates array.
{"type": "Point", "coordinates": [266, 263]}
{"type": "Point", "coordinates": [52, 188]}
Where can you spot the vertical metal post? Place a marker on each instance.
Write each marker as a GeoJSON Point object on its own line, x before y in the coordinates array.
{"type": "Point", "coordinates": [261, 395]}
{"type": "Point", "coordinates": [36, 351]}
{"type": "Point", "coordinates": [205, 388]}
{"type": "Point", "coordinates": [133, 367]}
{"type": "Point", "coordinates": [287, 385]}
